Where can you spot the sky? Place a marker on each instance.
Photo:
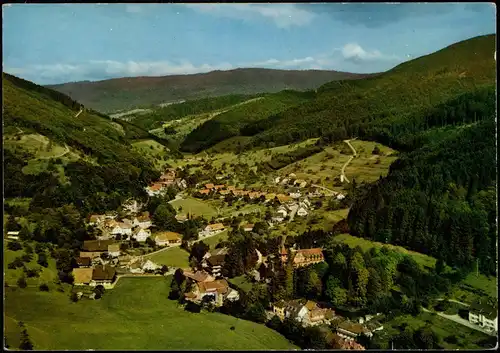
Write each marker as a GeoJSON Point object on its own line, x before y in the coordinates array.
{"type": "Point", "coordinates": [56, 43]}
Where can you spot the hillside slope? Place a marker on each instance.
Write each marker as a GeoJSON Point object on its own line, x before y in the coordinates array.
{"type": "Point", "coordinates": [342, 108]}
{"type": "Point", "coordinates": [103, 166]}
{"type": "Point", "coordinates": [229, 123]}
{"type": "Point", "coordinates": [132, 92]}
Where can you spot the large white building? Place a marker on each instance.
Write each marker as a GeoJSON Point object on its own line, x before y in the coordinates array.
{"type": "Point", "coordinates": [484, 315]}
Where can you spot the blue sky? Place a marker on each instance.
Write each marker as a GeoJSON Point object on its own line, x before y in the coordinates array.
{"type": "Point", "coordinates": [55, 43]}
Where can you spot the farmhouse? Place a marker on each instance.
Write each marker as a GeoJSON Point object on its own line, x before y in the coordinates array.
{"type": "Point", "coordinates": [340, 196]}
{"type": "Point", "coordinates": [214, 263]}
{"type": "Point", "coordinates": [254, 195]}
{"type": "Point", "coordinates": [198, 276]}
{"type": "Point", "coordinates": [351, 330]}
{"type": "Point", "coordinates": [181, 183]}
{"type": "Point", "coordinates": [303, 257]}
{"type": "Point", "coordinates": [168, 238]}
{"type": "Point", "coordinates": [295, 194]}
{"type": "Point", "coordinates": [219, 290]}
{"type": "Point", "coordinates": [104, 275]}
{"type": "Point", "coordinates": [143, 266]}
{"type": "Point", "coordinates": [204, 191]}
{"type": "Point", "coordinates": [212, 229]}
{"type": "Point", "coordinates": [209, 186]}
{"type": "Point", "coordinates": [123, 228]}
{"type": "Point", "coordinates": [219, 187]}
{"type": "Point", "coordinates": [96, 219]}
{"type": "Point", "coordinates": [96, 245]}
{"type": "Point", "coordinates": [83, 261]}
{"type": "Point", "coordinates": [90, 255]}
{"type": "Point", "coordinates": [155, 189]}
{"type": "Point", "coordinates": [114, 250]}
{"type": "Point", "coordinates": [302, 211]}
{"type": "Point", "coordinates": [484, 315]}
{"type": "Point", "coordinates": [82, 276]}
{"type": "Point", "coordinates": [141, 234]}
{"type": "Point", "coordinates": [142, 221]}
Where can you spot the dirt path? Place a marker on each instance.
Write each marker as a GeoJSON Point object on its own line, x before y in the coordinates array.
{"type": "Point", "coordinates": [342, 173]}
{"type": "Point", "coordinates": [81, 110]}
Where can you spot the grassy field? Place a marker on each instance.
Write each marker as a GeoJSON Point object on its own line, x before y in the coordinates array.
{"type": "Point", "coordinates": [175, 257]}
{"type": "Point", "coordinates": [213, 241]}
{"type": "Point", "coordinates": [466, 337]}
{"type": "Point", "coordinates": [194, 207]}
{"type": "Point", "coordinates": [136, 314]}
{"type": "Point", "coordinates": [12, 275]}
{"type": "Point", "coordinates": [323, 167]}
{"type": "Point", "coordinates": [242, 283]}
{"type": "Point", "coordinates": [365, 244]}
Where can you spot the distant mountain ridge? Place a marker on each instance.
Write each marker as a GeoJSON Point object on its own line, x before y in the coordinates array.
{"type": "Point", "coordinates": [133, 92]}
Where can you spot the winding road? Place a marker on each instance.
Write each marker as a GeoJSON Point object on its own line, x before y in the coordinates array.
{"type": "Point", "coordinates": [342, 173]}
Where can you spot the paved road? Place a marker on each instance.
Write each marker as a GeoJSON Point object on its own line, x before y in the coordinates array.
{"type": "Point", "coordinates": [322, 187]}
{"type": "Point", "coordinates": [342, 173]}
{"type": "Point", "coordinates": [292, 214]}
{"type": "Point", "coordinates": [453, 301]}
{"type": "Point", "coordinates": [175, 245]}
{"type": "Point", "coordinates": [81, 110]}
{"type": "Point", "coordinates": [459, 320]}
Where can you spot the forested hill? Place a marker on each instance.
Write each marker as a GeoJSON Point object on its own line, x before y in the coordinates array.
{"type": "Point", "coordinates": [344, 109]}
{"type": "Point", "coordinates": [131, 92]}
{"type": "Point", "coordinates": [99, 168]}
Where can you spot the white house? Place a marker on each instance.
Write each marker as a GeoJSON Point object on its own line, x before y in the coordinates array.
{"type": "Point", "coordinates": [13, 235]}
{"type": "Point", "coordinates": [122, 229]}
{"type": "Point", "coordinates": [114, 250]}
{"type": "Point", "coordinates": [168, 238]}
{"type": "Point", "coordinates": [212, 229]}
{"type": "Point", "coordinates": [292, 175]}
{"type": "Point", "coordinates": [285, 181]}
{"type": "Point", "coordinates": [233, 295]}
{"type": "Point", "coordinates": [340, 196]}
{"type": "Point", "coordinates": [150, 266]}
{"type": "Point", "coordinates": [282, 211]}
{"type": "Point", "coordinates": [307, 202]}
{"type": "Point", "coordinates": [302, 212]}
{"type": "Point", "coordinates": [182, 183]}
{"type": "Point", "coordinates": [141, 234]}
{"type": "Point", "coordinates": [142, 221]}
{"type": "Point", "coordinates": [295, 195]}
{"type": "Point", "coordinates": [484, 315]}
{"type": "Point", "coordinates": [277, 180]}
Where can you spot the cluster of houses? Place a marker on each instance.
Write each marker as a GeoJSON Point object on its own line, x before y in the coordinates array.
{"type": "Point", "coordinates": [168, 178]}
{"type": "Point", "coordinates": [201, 285]}
{"type": "Point", "coordinates": [136, 228]}
{"type": "Point", "coordinates": [96, 263]}
{"type": "Point", "coordinates": [291, 209]}
{"type": "Point", "coordinates": [307, 312]}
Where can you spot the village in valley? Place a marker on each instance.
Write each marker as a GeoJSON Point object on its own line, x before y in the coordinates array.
{"type": "Point", "coordinates": [128, 237]}
{"type": "Point", "coordinates": [220, 177]}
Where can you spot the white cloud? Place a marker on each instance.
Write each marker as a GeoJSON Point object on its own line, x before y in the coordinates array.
{"type": "Point", "coordinates": [354, 52]}
{"type": "Point", "coordinates": [105, 69]}
{"type": "Point", "coordinates": [283, 15]}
